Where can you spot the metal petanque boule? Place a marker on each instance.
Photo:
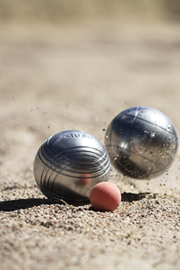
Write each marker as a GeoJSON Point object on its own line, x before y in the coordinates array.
{"type": "Point", "coordinates": [69, 164]}
{"type": "Point", "coordinates": [141, 142]}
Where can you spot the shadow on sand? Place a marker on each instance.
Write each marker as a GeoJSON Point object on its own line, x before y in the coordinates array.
{"type": "Point", "coordinates": [22, 204]}
{"type": "Point", "coordinates": [130, 197]}
{"type": "Point", "coordinates": [28, 203]}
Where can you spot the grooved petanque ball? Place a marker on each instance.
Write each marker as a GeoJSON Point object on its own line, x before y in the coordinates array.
{"type": "Point", "coordinates": [69, 164]}
{"type": "Point", "coordinates": [141, 142]}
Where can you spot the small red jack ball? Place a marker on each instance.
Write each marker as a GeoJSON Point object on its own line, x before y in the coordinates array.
{"type": "Point", "coordinates": [105, 196]}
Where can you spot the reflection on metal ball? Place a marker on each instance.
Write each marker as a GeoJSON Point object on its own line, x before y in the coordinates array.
{"type": "Point", "coordinates": [141, 142]}
{"type": "Point", "coordinates": [69, 164]}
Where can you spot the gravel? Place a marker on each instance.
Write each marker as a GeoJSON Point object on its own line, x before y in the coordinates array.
{"type": "Point", "coordinates": [37, 234]}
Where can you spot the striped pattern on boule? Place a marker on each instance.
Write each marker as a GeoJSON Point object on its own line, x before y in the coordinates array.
{"type": "Point", "coordinates": [69, 164]}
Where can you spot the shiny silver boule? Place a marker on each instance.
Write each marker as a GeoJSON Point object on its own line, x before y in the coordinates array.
{"type": "Point", "coordinates": [69, 164]}
{"type": "Point", "coordinates": [141, 142]}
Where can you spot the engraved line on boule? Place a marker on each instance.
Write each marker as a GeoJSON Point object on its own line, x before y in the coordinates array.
{"type": "Point", "coordinates": [144, 120]}
{"type": "Point", "coordinates": [107, 166]}
{"type": "Point", "coordinates": [127, 150]}
{"type": "Point", "coordinates": [153, 162]}
{"type": "Point", "coordinates": [125, 143]}
{"type": "Point", "coordinates": [159, 155]}
{"type": "Point", "coordinates": [50, 165]}
{"type": "Point", "coordinates": [60, 154]}
{"type": "Point", "coordinates": [50, 186]}
{"type": "Point", "coordinates": [68, 151]}
{"type": "Point", "coordinates": [60, 165]}
{"type": "Point", "coordinates": [45, 171]}
{"type": "Point", "coordinates": [63, 167]}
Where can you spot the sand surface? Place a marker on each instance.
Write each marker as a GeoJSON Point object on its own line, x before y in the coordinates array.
{"type": "Point", "coordinates": [54, 78]}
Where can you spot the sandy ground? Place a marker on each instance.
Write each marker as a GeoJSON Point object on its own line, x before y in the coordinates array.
{"type": "Point", "coordinates": [54, 78]}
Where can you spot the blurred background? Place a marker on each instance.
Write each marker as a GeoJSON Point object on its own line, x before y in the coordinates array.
{"type": "Point", "coordinates": [60, 11]}
{"type": "Point", "coordinates": [75, 65]}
